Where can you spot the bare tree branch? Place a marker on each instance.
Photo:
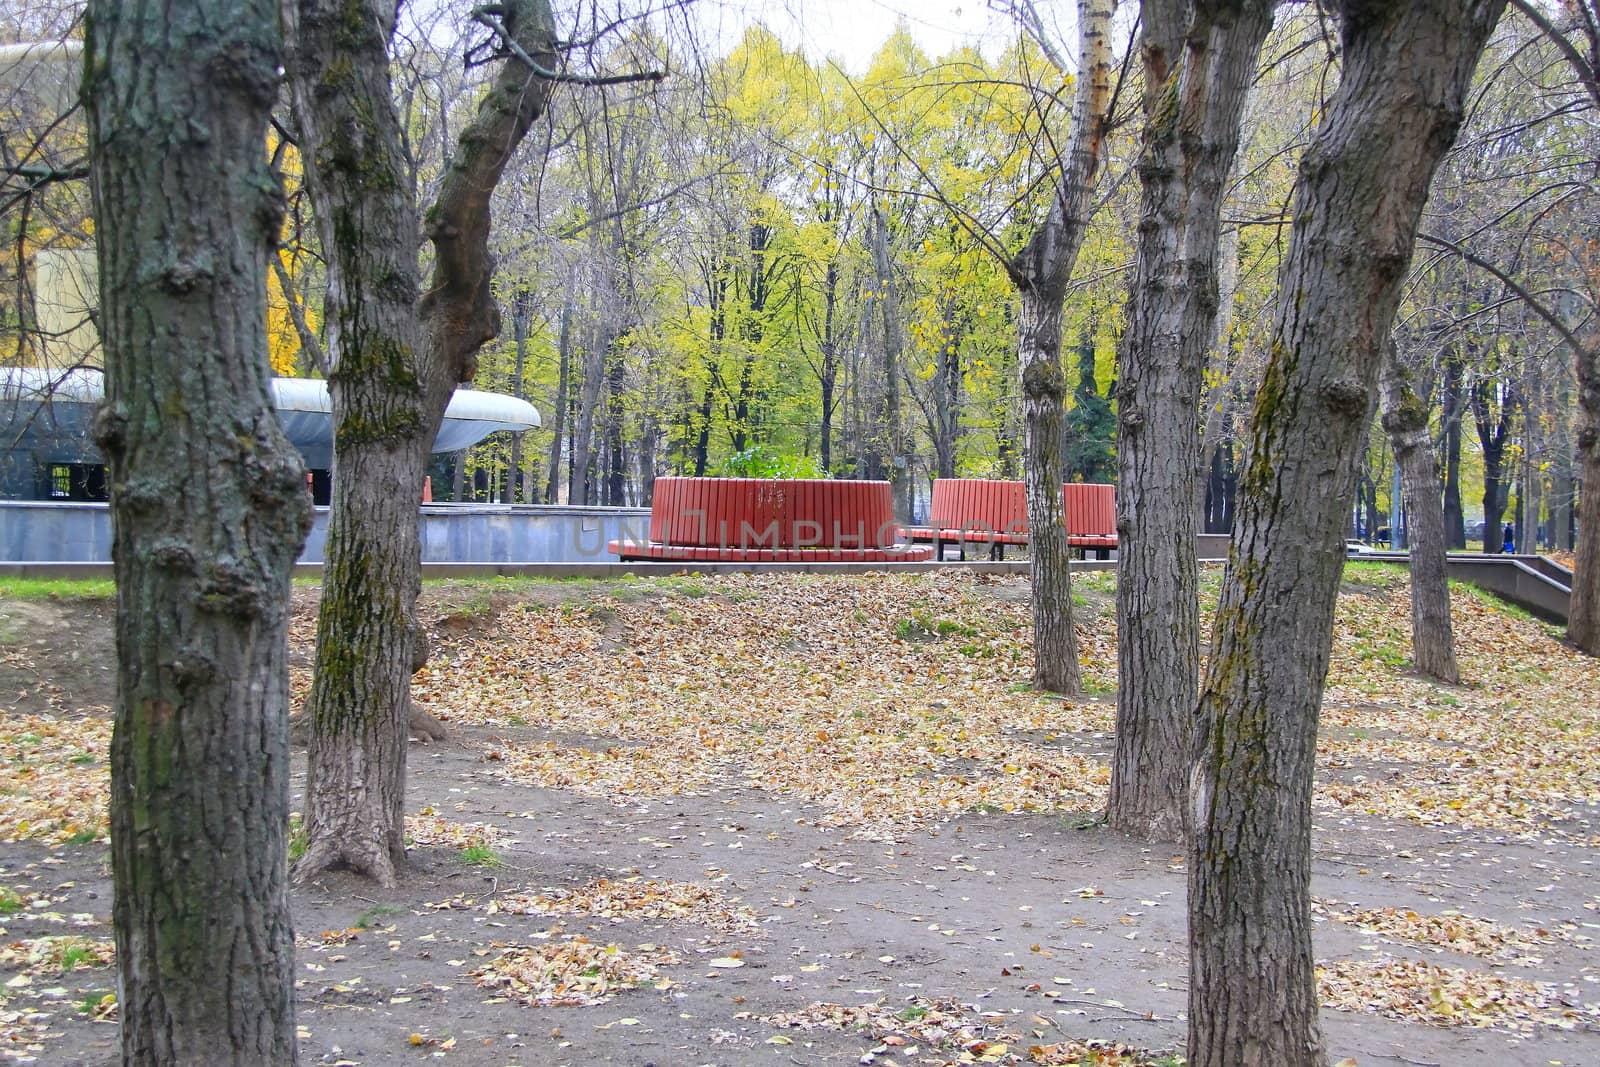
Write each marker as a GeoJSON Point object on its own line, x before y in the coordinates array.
{"type": "Point", "coordinates": [490, 15]}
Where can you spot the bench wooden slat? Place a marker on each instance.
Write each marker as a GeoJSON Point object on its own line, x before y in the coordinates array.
{"type": "Point", "coordinates": [993, 511]}
{"type": "Point", "coordinates": [727, 516]}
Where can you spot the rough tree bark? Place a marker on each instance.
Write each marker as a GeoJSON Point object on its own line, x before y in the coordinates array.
{"type": "Point", "coordinates": [1362, 184]}
{"type": "Point", "coordinates": [558, 405]}
{"type": "Point", "coordinates": [209, 511]}
{"type": "Point", "coordinates": [887, 416]}
{"type": "Point", "coordinates": [395, 362]}
{"type": "Point", "coordinates": [1405, 420]}
{"type": "Point", "coordinates": [1453, 407]}
{"type": "Point", "coordinates": [521, 314]}
{"type": "Point", "coordinates": [945, 422]}
{"type": "Point", "coordinates": [1493, 409]}
{"type": "Point", "coordinates": [828, 371]}
{"type": "Point", "coordinates": [1583, 624]}
{"type": "Point", "coordinates": [591, 375]}
{"type": "Point", "coordinates": [1198, 72]}
{"type": "Point", "coordinates": [1041, 272]}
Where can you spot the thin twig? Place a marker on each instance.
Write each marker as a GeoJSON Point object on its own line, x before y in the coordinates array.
{"type": "Point", "coordinates": [490, 14]}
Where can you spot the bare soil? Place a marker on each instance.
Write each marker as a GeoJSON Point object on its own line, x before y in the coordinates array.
{"type": "Point", "coordinates": [1057, 926]}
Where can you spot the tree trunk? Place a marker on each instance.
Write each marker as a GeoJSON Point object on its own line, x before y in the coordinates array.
{"type": "Point", "coordinates": [1191, 136]}
{"type": "Point", "coordinates": [395, 363]}
{"type": "Point", "coordinates": [879, 432]}
{"type": "Point", "coordinates": [521, 312]}
{"type": "Point", "coordinates": [944, 411]}
{"type": "Point", "coordinates": [650, 436]}
{"type": "Point", "coordinates": [1561, 448]}
{"type": "Point", "coordinates": [1091, 425]}
{"type": "Point", "coordinates": [1055, 644]}
{"type": "Point", "coordinates": [581, 485]}
{"type": "Point", "coordinates": [828, 375]}
{"type": "Point", "coordinates": [887, 417]}
{"type": "Point", "coordinates": [830, 372]}
{"type": "Point", "coordinates": [558, 406]}
{"type": "Point", "coordinates": [1040, 273]}
{"type": "Point", "coordinates": [367, 220]}
{"type": "Point", "coordinates": [1536, 415]}
{"type": "Point", "coordinates": [702, 437]}
{"type": "Point", "coordinates": [1367, 497]}
{"type": "Point", "coordinates": [1363, 181]}
{"type": "Point", "coordinates": [615, 487]}
{"type": "Point", "coordinates": [1583, 625]}
{"type": "Point", "coordinates": [1217, 398]}
{"type": "Point", "coordinates": [1405, 420]}
{"type": "Point", "coordinates": [1005, 447]}
{"type": "Point", "coordinates": [209, 509]}
{"type": "Point", "coordinates": [458, 475]}
{"type": "Point", "coordinates": [1455, 522]}
{"type": "Point", "coordinates": [1494, 429]}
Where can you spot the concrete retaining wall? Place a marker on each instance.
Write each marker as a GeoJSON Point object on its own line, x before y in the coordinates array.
{"type": "Point", "coordinates": [49, 532]}
{"type": "Point", "coordinates": [1536, 583]}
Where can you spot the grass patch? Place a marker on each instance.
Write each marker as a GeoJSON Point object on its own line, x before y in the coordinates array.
{"type": "Point", "coordinates": [1095, 688]}
{"type": "Point", "coordinates": [98, 1004]}
{"type": "Point", "coordinates": [921, 626]}
{"type": "Point", "coordinates": [478, 604]}
{"type": "Point", "coordinates": [375, 915]}
{"type": "Point", "coordinates": [1366, 574]}
{"type": "Point", "coordinates": [1096, 581]}
{"type": "Point", "coordinates": [10, 901]}
{"type": "Point", "coordinates": [684, 586]}
{"type": "Point", "coordinates": [508, 583]}
{"type": "Point", "coordinates": [74, 956]}
{"type": "Point", "coordinates": [1505, 607]}
{"type": "Point", "coordinates": [298, 838]}
{"type": "Point", "coordinates": [57, 588]}
{"type": "Point", "coordinates": [480, 856]}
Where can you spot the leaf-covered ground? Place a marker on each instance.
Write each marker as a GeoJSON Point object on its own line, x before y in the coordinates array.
{"type": "Point", "coordinates": [823, 819]}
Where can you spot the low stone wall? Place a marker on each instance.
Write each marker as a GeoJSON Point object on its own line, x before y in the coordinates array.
{"type": "Point", "coordinates": [54, 533]}
{"type": "Point", "coordinates": [34, 531]}
{"type": "Point", "coordinates": [48, 532]}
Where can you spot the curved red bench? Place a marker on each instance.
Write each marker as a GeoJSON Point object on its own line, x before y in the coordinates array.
{"type": "Point", "coordinates": [995, 513]}
{"type": "Point", "coordinates": [982, 510]}
{"type": "Point", "coordinates": [771, 520]}
{"type": "Point", "coordinates": [1091, 514]}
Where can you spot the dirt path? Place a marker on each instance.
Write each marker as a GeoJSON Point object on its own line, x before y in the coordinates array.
{"type": "Point", "coordinates": [748, 894]}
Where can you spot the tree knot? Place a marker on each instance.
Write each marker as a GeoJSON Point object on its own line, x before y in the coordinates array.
{"type": "Point", "coordinates": [111, 428]}
{"type": "Point", "coordinates": [1346, 397]}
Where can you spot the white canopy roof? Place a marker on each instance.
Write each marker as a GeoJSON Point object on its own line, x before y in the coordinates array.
{"type": "Point", "coordinates": [303, 405]}
{"type": "Point", "coordinates": [306, 410]}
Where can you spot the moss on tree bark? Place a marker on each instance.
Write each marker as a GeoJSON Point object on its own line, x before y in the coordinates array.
{"type": "Point", "coordinates": [209, 511]}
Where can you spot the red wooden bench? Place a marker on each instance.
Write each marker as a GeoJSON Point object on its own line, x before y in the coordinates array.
{"type": "Point", "coordinates": [995, 513]}
{"type": "Point", "coordinates": [1091, 512]}
{"type": "Point", "coordinates": [762, 520]}
{"type": "Point", "coordinates": [976, 510]}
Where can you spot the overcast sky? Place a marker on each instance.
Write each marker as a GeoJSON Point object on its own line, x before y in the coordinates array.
{"type": "Point", "coordinates": [852, 30]}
